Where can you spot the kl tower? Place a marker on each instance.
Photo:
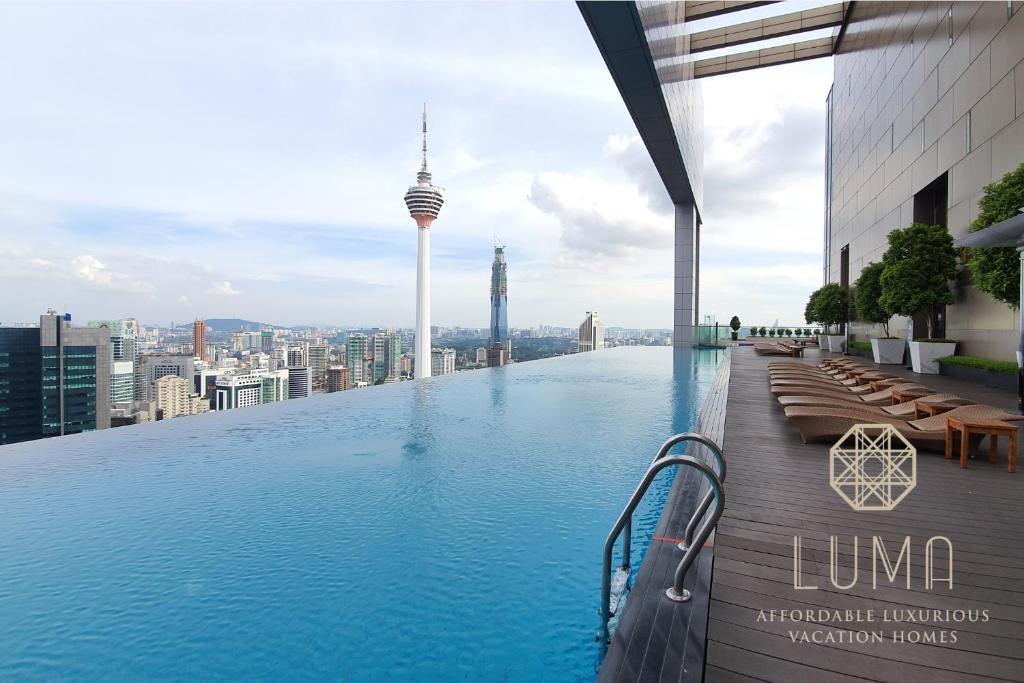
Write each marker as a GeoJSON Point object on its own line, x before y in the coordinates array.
{"type": "Point", "coordinates": [424, 200]}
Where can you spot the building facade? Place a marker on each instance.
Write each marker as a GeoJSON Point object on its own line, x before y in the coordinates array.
{"type": "Point", "coordinates": [387, 356]}
{"type": "Point", "coordinates": [300, 383]}
{"type": "Point", "coordinates": [591, 336]}
{"type": "Point", "coordinates": [337, 378]}
{"type": "Point", "coordinates": [926, 108]}
{"type": "Point", "coordinates": [173, 396]}
{"type": "Point", "coordinates": [122, 381]}
{"type": "Point", "coordinates": [152, 366]}
{"type": "Point", "coordinates": [317, 356]}
{"type": "Point", "coordinates": [499, 301]}
{"type": "Point", "coordinates": [442, 361]}
{"type": "Point", "coordinates": [199, 340]}
{"type": "Point", "coordinates": [356, 353]}
{"type": "Point", "coordinates": [238, 391]}
{"type": "Point", "coordinates": [54, 379]}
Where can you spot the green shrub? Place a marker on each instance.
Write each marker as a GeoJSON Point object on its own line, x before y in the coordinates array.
{"type": "Point", "coordinates": [735, 324]}
{"type": "Point", "coordinates": [1004, 367]}
{"type": "Point", "coordinates": [763, 331]}
{"type": "Point", "coordinates": [771, 332]}
{"type": "Point", "coordinates": [859, 345]}
{"type": "Point", "coordinates": [920, 264]}
{"type": "Point", "coordinates": [753, 332]}
{"type": "Point", "coordinates": [997, 270]}
{"type": "Point", "coordinates": [808, 333]}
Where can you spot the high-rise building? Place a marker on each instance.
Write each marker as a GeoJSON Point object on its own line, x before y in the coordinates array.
{"type": "Point", "coordinates": [54, 379]}
{"type": "Point", "coordinates": [152, 366]}
{"type": "Point", "coordinates": [20, 384]}
{"type": "Point", "coordinates": [297, 356]}
{"type": "Point", "coordinates": [199, 340]}
{"type": "Point", "coordinates": [172, 396]}
{"type": "Point", "coordinates": [591, 333]}
{"type": "Point", "coordinates": [76, 376]}
{"type": "Point", "coordinates": [387, 356]}
{"type": "Point", "coordinates": [125, 334]}
{"type": "Point", "coordinates": [267, 341]}
{"type": "Point", "coordinates": [300, 382]}
{"type": "Point", "coordinates": [424, 200]}
{"type": "Point", "coordinates": [337, 378]}
{"type": "Point", "coordinates": [442, 361]}
{"type": "Point", "coordinates": [275, 386]}
{"type": "Point", "coordinates": [497, 356]}
{"type": "Point", "coordinates": [317, 357]}
{"type": "Point", "coordinates": [122, 381]}
{"type": "Point", "coordinates": [356, 349]}
{"type": "Point", "coordinates": [499, 300]}
{"type": "Point", "coordinates": [238, 391]}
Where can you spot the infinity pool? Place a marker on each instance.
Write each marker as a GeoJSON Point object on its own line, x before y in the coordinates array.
{"type": "Point", "coordinates": [446, 529]}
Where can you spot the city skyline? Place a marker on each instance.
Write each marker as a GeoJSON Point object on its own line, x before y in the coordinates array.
{"type": "Point", "coordinates": [263, 187]}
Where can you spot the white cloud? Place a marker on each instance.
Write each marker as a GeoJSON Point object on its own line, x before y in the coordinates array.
{"type": "Point", "coordinates": [93, 270]}
{"type": "Point", "coordinates": [223, 289]}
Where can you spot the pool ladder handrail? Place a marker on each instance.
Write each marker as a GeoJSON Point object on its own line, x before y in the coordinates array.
{"type": "Point", "coordinates": [691, 544]}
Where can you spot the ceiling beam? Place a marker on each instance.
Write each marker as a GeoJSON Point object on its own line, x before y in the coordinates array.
{"type": "Point", "coordinates": [744, 61]}
{"type": "Point", "coordinates": [671, 13]}
{"type": "Point", "coordinates": [750, 31]}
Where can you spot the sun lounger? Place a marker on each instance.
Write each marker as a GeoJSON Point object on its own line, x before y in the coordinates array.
{"type": "Point", "coordinates": [817, 423]}
{"type": "Point", "coordinates": [903, 410]}
{"type": "Point", "coordinates": [883, 397]}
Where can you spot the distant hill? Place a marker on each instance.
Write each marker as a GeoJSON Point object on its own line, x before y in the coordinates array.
{"type": "Point", "coordinates": [233, 325]}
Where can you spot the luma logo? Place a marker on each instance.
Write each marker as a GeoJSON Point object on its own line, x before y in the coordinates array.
{"type": "Point", "coordinates": [872, 467]}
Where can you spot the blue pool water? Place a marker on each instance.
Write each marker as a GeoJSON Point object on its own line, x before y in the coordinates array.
{"type": "Point", "coordinates": [447, 529]}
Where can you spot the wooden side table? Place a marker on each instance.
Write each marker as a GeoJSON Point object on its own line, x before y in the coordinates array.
{"type": "Point", "coordinates": [993, 429]}
{"type": "Point", "coordinates": [923, 409]}
{"type": "Point", "coordinates": [904, 396]}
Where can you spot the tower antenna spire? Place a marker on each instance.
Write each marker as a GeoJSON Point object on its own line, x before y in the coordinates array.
{"type": "Point", "coordinates": [424, 136]}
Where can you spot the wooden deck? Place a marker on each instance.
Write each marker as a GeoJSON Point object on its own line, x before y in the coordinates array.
{"type": "Point", "coordinates": [778, 488]}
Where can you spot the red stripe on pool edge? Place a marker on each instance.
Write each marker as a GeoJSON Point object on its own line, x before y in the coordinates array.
{"type": "Point", "coordinates": [666, 539]}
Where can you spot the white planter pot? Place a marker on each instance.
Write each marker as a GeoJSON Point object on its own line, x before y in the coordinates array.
{"type": "Point", "coordinates": [923, 355]}
{"type": "Point", "coordinates": [888, 351]}
{"type": "Point", "coordinates": [822, 342]}
{"type": "Point", "coordinates": [835, 342]}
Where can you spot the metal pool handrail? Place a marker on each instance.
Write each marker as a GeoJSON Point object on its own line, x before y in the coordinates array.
{"type": "Point", "coordinates": [624, 522]}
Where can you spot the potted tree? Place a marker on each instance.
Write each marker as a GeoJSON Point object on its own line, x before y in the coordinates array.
{"type": "Point", "coordinates": [867, 291]}
{"type": "Point", "coordinates": [753, 332]}
{"type": "Point", "coordinates": [735, 325]}
{"type": "Point", "coordinates": [918, 267]}
{"type": "Point", "coordinates": [996, 271]}
{"type": "Point", "coordinates": [771, 332]}
{"type": "Point", "coordinates": [811, 318]}
{"type": "Point", "coordinates": [762, 331]}
{"type": "Point", "coordinates": [832, 306]}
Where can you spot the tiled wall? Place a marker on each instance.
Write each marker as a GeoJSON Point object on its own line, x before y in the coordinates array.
{"type": "Point", "coordinates": [909, 106]}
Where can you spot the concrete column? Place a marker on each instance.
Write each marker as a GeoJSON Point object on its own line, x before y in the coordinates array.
{"type": "Point", "coordinates": [422, 305]}
{"type": "Point", "coordinates": [686, 277]}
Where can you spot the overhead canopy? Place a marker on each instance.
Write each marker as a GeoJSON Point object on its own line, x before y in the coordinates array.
{"type": "Point", "coordinates": [1009, 233]}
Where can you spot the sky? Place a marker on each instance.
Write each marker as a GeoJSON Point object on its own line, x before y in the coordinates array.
{"type": "Point", "coordinates": [167, 161]}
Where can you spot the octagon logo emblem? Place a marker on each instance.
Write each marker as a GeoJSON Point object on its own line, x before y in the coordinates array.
{"type": "Point", "coordinates": [873, 467]}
